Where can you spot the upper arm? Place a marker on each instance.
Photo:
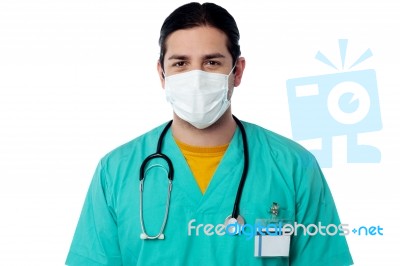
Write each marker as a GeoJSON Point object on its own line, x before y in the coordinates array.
{"type": "Point", "coordinates": [95, 241]}
{"type": "Point", "coordinates": [315, 209]}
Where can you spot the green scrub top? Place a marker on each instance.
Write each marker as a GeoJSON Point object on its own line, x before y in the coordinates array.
{"type": "Point", "coordinates": [281, 171]}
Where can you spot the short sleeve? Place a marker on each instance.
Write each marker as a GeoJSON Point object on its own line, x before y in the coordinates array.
{"type": "Point", "coordinates": [95, 241]}
{"type": "Point", "coordinates": [315, 208]}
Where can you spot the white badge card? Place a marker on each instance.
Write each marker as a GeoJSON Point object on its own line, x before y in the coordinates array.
{"type": "Point", "coordinates": [272, 239]}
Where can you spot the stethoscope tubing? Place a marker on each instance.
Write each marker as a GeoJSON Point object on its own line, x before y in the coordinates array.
{"type": "Point", "coordinates": [158, 154]}
{"type": "Point", "coordinates": [235, 211]}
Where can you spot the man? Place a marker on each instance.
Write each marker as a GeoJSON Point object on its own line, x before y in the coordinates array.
{"type": "Point", "coordinates": [258, 180]}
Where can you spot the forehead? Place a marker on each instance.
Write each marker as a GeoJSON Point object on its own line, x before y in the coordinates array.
{"type": "Point", "coordinates": [197, 41]}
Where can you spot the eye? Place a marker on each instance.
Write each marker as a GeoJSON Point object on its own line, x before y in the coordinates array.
{"type": "Point", "coordinates": [212, 63]}
{"type": "Point", "coordinates": [179, 64]}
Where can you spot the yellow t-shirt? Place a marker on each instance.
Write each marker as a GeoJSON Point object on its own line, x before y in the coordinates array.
{"type": "Point", "coordinates": [203, 161]}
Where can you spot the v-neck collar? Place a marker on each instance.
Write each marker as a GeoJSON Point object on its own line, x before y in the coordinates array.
{"type": "Point", "coordinates": [225, 179]}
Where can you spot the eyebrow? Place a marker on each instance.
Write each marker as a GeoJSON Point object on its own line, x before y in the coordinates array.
{"type": "Point", "coordinates": [205, 57]}
{"type": "Point", "coordinates": [212, 56]}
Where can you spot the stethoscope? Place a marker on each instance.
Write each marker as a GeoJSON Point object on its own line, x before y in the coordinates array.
{"type": "Point", "coordinates": [233, 219]}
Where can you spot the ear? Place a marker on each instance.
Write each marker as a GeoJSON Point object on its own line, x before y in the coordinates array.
{"type": "Point", "coordinates": [240, 65]}
{"type": "Point", "coordinates": [160, 74]}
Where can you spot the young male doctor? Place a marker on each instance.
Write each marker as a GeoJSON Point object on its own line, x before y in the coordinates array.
{"type": "Point", "coordinates": [213, 186]}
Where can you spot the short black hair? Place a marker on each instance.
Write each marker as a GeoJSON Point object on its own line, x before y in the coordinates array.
{"type": "Point", "coordinates": [194, 15]}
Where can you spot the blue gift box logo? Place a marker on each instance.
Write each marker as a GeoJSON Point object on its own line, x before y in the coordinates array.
{"type": "Point", "coordinates": [344, 103]}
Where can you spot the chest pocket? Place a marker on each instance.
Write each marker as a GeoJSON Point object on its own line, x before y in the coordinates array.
{"type": "Point", "coordinates": [279, 208]}
{"type": "Point", "coordinates": [254, 217]}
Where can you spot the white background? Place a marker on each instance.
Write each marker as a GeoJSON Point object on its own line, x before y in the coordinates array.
{"type": "Point", "coordinates": [78, 78]}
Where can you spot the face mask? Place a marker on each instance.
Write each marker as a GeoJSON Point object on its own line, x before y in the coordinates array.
{"type": "Point", "coordinates": [198, 97]}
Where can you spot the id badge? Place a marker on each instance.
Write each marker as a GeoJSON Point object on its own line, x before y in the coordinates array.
{"type": "Point", "coordinates": [272, 238]}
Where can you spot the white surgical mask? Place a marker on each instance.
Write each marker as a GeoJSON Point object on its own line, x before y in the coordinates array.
{"type": "Point", "coordinates": [198, 97]}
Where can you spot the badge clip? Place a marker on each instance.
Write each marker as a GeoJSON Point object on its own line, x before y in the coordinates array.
{"type": "Point", "coordinates": [274, 210]}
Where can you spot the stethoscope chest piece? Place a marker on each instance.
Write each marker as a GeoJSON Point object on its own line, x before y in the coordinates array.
{"type": "Point", "coordinates": [234, 224]}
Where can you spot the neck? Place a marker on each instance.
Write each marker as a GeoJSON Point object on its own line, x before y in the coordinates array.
{"type": "Point", "coordinates": [220, 133]}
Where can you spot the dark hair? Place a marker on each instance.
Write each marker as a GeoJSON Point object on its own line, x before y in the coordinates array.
{"type": "Point", "coordinates": [195, 14]}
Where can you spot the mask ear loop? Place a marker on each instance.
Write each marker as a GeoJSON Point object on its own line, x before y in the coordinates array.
{"type": "Point", "coordinates": [229, 96]}
{"type": "Point", "coordinates": [233, 68]}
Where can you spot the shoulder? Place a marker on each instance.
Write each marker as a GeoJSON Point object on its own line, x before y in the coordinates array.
{"type": "Point", "coordinates": [280, 148]}
{"type": "Point", "coordinates": [287, 160]}
{"type": "Point", "coordinates": [136, 148]}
